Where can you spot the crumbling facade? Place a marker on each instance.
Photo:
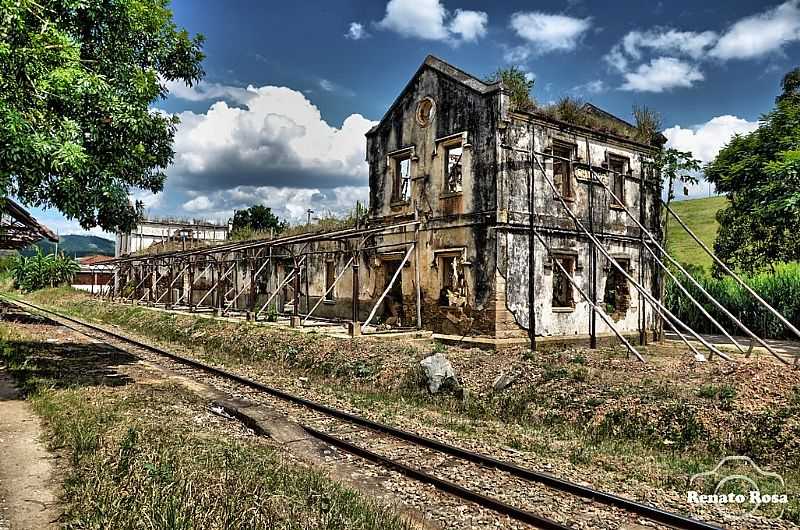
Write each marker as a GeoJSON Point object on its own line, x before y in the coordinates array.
{"type": "Point", "coordinates": [462, 187]}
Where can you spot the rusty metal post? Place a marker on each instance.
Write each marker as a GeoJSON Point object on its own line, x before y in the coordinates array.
{"type": "Point", "coordinates": [251, 302]}
{"type": "Point", "coordinates": [295, 322]}
{"type": "Point", "coordinates": [170, 275]}
{"type": "Point", "coordinates": [151, 271]}
{"type": "Point", "coordinates": [641, 307]}
{"type": "Point", "coordinates": [220, 294]}
{"type": "Point", "coordinates": [190, 291]}
{"type": "Point", "coordinates": [592, 257]}
{"type": "Point", "coordinates": [355, 328]}
{"type": "Point", "coordinates": [531, 245]}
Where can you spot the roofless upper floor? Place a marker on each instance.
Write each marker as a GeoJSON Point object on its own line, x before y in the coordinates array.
{"type": "Point", "coordinates": [449, 144]}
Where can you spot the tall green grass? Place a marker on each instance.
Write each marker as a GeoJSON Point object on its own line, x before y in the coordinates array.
{"type": "Point", "coordinates": [781, 289]}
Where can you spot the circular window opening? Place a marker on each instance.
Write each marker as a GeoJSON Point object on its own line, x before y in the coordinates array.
{"type": "Point", "coordinates": [425, 110]}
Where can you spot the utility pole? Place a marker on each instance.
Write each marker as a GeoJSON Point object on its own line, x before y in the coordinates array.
{"type": "Point", "coordinates": [309, 212]}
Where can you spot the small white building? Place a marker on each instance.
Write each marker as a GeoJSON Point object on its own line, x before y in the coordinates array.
{"type": "Point", "coordinates": [187, 232]}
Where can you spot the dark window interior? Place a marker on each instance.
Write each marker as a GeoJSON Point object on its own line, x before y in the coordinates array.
{"type": "Point", "coordinates": [452, 281]}
{"type": "Point", "coordinates": [562, 288]}
{"type": "Point", "coordinates": [617, 168]}
{"type": "Point", "coordinates": [562, 169]}
{"type": "Point", "coordinates": [617, 296]}
{"type": "Point", "coordinates": [453, 173]}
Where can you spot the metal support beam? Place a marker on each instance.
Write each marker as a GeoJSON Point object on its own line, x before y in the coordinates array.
{"type": "Point", "coordinates": [592, 304]}
{"type": "Point", "coordinates": [216, 283]}
{"type": "Point", "coordinates": [274, 293]}
{"type": "Point", "coordinates": [622, 270]}
{"type": "Point", "coordinates": [738, 280]}
{"type": "Point", "coordinates": [251, 284]}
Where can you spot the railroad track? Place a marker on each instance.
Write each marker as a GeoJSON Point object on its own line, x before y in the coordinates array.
{"type": "Point", "coordinates": [328, 417]}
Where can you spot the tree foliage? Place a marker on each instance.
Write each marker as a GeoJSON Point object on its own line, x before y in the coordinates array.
{"type": "Point", "coordinates": [258, 218]}
{"type": "Point", "coordinates": [517, 84]}
{"type": "Point", "coordinates": [676, 166]}
{"type": "Point", "coordinates": [42, 270]}
{"type": "Point", "coordinates": [760, 173]}
{"type": "Point", "coordinates": [77, 81]}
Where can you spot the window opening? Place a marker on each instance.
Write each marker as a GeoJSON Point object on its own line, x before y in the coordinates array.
{"type": "Point", "coordinates": [453, 291]}
{"type": "Point", "coordinates": [453, 171]}
{"type": "Point", "coordinates": [617, 296]}
{"type": "Point", "coordinates": [617, 167]}
{"type": "Point", "coordinates": [402, 178]}
{"type": "Point", "coordinates": [562, 287]}
{"type": "Point", "coordinates": [562, 169]}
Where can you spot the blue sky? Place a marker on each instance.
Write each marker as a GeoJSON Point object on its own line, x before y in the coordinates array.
{"type": "Point", "coordinates": [292, 86]}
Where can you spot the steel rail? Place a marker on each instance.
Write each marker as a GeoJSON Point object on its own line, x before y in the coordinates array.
{"type": "Point", "coordinates": [648, 511]}
{"type": "Point", "coordinates": [525, 516]}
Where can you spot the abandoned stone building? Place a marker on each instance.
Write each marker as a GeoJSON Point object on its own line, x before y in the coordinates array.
{"type": "Point", "coordinates": [458, 179]}
{"type": "Point", "coordinates": [451, 153]}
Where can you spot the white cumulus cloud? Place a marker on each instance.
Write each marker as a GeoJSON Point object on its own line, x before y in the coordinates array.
{"type": "Point", "coordinates": [689, 43]}
{"type": "Point", "coordinates": [205, 91]}
{"type": "Point", "coordinates": [278, 137]}
{"type": "Point", "coordinates": [356, 31]}
{"type": "Point", "coordinates": [430, 20]}
{"type": "Point", "coordinates": [200, 203]}
{"type": "Point", "coordinates": [705, 140]}
{"type": "Point", "coordinates": [544, 32]}
{"type": "Point", "coordinates": [760, 34]}
{"type": "Point", "coordinates": [751, 37]}
{"type": "Point", "coordinates": [287, 203]}
{"type": "Point", "coordinates": [663, 73]}
{"type": "Point", "coordinates": [469, 25]}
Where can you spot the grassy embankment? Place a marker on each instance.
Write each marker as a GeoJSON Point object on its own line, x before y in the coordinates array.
{"type": "Point", "coordinates": [613, 418]}
{"type": "Point", "coordinates": [700, 216]}
{"type": "Point", "coordinates": [151, 456]}
{"type": "Point", "coordinates": [779, 287]}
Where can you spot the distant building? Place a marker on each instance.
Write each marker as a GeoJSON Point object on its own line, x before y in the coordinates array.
{"type": "Point", "coordinates": [95, 275]}
{"type": "Point", "coordinates": [184, 233]}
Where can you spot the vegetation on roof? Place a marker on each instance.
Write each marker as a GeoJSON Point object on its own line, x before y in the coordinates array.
{"type": "Point", "coordinates": [647, 122]}
{"type": "Point", "coordinates": [519, 85]}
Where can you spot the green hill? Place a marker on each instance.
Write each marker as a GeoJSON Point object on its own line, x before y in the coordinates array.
{"type": "Point", "coordinates": [700, 216]}
{"type": "Point", "coordinates": [76, 246]}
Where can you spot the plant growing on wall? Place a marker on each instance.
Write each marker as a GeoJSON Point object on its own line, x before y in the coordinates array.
{"type": "Point", "coordinates": [518, 84]}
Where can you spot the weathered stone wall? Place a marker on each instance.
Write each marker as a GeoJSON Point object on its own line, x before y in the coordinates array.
{"type": "Point", "coordinates": [524, 137]}
{"type": "Point", "coordinates": [452, 223]}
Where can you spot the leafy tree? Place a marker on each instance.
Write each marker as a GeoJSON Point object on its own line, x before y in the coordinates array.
{"type": "Point", "coordinates": [77, 81]}
{"type": "Point", "coordinates": [258, 218]}
{"type": "Point", "coordinates": [518, 85]}
{"type": "Point", "coordinates": [760, 173]}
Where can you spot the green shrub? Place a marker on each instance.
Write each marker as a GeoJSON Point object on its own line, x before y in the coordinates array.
{"type": "Point", "coordinates": [780, 288]}
{"type": "Point", "coordinates": [42, 270]}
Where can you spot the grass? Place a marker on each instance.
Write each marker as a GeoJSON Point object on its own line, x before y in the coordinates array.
{"type": "Point", "coordinates": [574, 403]}
{"type": "Point", "coordinates": [700, 216]}
{"type": "Point", "coordinates": [129, 468]}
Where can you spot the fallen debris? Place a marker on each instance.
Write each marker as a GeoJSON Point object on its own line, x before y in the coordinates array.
{"type": "Point", "coordinates": [438, 372]}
